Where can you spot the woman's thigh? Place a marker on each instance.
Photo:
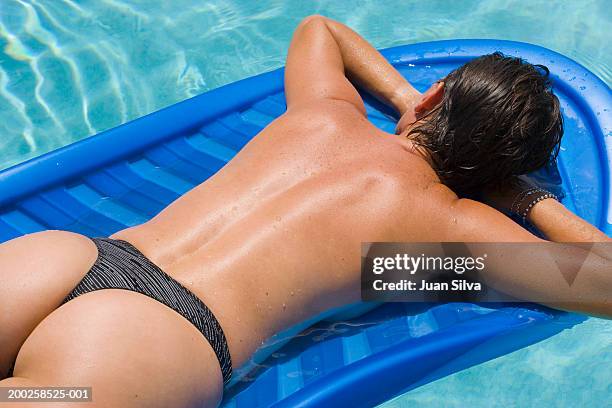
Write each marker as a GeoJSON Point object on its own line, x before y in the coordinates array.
{"type": "Point", "coordinates": [132, 350]}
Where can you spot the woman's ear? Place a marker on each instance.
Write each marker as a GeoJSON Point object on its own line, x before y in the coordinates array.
{"type": "Point", "coordinates": [432, 97]}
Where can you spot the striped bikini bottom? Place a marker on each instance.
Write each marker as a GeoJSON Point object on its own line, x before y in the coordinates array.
{"type": "Point", "coordinates": [121, 266]}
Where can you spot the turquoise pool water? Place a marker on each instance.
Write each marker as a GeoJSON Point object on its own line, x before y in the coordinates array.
{"type": "Point", "coordinates": [69, 69]}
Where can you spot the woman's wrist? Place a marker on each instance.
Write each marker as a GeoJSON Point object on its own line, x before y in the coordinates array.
{"type": "Point", "coordinates": [543, 206]}
{"type": "Point", "coordinates": [404, 99]}
{"type": "Point", "coordinates": [559, 224]}
{"type": "Point", "coordinates": [526, 200]}
{"type": "Point", "coordinates": [547, 214]}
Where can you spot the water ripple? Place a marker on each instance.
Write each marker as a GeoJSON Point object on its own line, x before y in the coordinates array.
{"type": "Point", "coordinates": [26, 131]}
{"type": "Point", "coordinates": [72, 68]}
{"type": "Point", "coordinates": [32, 26]}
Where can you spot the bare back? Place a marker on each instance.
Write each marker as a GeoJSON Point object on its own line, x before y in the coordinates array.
{"type": "Point", "coordinates": [284, 220]}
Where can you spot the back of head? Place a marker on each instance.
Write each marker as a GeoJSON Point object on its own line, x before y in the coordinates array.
{"type": "Point", "coordinates": [498, 118]}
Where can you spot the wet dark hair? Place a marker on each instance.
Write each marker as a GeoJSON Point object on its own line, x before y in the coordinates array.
{"type": "Point", "coordinates": [498, 118]}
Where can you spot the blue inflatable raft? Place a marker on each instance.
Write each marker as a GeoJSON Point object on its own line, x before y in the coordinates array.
{"type": "Point", "coordinates": [124, 176]}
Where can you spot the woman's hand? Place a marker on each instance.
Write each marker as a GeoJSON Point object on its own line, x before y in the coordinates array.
{"type": "Point", "coordinates": [407, 119]}
{"type": "Point", "coordinates": [412, 105]}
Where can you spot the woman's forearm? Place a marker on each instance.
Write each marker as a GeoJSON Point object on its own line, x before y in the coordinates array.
{"type": "Point", "coordinates": [370, 70]}
{"type": "Point", "coordinates": [583, 258]}
{"type": "Point", "coordinates": [560, 225]}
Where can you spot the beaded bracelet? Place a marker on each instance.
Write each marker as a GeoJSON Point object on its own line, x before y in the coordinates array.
{"type": "Point", "coordinates": [514, 208]}
{"type": "Point", "coordinates": [522, 207]}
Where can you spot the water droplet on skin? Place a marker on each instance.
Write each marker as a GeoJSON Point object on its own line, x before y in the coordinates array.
{"type": "Point", "coordinates": [292, 293]}
{"type": "Point", "coordinates": [284, 306]}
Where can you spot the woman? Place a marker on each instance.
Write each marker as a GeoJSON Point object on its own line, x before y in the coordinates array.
{"type": "Point", "coordinates": [274, 237]}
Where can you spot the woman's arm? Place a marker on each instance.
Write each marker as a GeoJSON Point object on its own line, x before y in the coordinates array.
{"type": "Point", "coordinates": [315, 71]}
{"type": "Point", "coordinates": [369, 69]}
{"type": "Point", "coordinates": [559, 224]}
{"type": "Point", "coordinates": [580, 277]}
{"type": "Point", "coordinates": [570, 276]}
{"type": "Point", "coordinates": [324, 52]}
{"type": "Point", "coordinates": [549, 216]}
